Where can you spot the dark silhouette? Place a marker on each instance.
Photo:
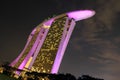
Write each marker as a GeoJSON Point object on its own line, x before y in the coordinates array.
{"type": "Point", "coordinates": [9, 71]}
{"type": "Point", "coordinates": [87, 77]}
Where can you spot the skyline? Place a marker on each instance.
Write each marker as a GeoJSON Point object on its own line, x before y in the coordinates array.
{"type": "Point", "coordinates": [94, 42]}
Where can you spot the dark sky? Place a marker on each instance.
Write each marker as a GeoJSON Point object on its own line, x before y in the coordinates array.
{"type": "Point", "coordinates": [94, 47]}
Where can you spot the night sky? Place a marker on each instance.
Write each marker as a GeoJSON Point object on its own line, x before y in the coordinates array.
{"type": "Point", "coordinates": [94, 47]}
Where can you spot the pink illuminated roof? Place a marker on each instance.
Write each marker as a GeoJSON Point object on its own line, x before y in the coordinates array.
{"type": "Point", "coordinates": [81, 14]}
{"type": "Point", "coordinates": [76, 15]}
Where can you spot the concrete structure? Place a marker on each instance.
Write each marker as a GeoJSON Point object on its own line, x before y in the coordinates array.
{"type": "Point", "coordinates": [46, 44]}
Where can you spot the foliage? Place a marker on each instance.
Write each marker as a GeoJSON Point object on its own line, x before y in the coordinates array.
{"type": "Point", "coordinates": [8, 74]}
{"type": "Point", "coordinates": [5, 77]}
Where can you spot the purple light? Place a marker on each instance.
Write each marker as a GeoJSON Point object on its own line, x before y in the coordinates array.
{"type": "Point", "coordinates": [81, 14]}
{"type": "Point", "coordinates": [49, 22]}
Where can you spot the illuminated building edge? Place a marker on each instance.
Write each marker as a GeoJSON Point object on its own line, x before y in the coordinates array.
{"type": "Point", "coordinates": [37, 40]}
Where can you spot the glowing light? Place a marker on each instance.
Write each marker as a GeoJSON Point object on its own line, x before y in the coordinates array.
{"type": "Point", "coordinates": [81, 14]}
{"type": "Point", "coordinates": [28, 63]}
{"type": "Point", "coordinates": [49, 22]}
{"type": "Point", "coordinates": [45, 26]}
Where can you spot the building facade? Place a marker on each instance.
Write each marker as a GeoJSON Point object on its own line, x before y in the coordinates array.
{"type": "Point", "coordinates": [47, 43]}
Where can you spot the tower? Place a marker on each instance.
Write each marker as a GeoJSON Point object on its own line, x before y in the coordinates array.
{"type": "Point", "coordinates": [46, 44]}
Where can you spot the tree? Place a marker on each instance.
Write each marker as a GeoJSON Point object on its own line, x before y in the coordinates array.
{"type": "Point", "coordinates": [87, 77]}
